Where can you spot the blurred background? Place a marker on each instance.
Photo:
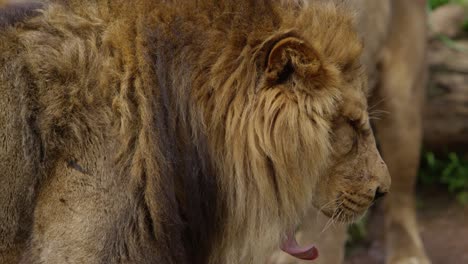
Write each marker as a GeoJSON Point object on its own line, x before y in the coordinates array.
{"type": "Point", "coordinates": [443, 178]}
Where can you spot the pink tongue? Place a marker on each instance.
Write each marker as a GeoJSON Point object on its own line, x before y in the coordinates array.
{"type": "Point", "coordinates": [291, 247]}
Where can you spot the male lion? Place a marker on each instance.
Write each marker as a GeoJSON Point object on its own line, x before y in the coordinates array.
{"type": "Point", "coordinates": [178, 131]}
{"type": "Point", "coordinates": [394, 33]}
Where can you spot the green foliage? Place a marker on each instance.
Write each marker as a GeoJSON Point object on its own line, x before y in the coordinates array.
{"type": "Point", "coordinates": [357, 234]}
{"type": "Point", "coordinates": [433, 4]}
{"type": "Point", "coordinates": [450, 171]}
{"type": "Point", "coordinates": [436, 3]}
{"type": "Point", "coordinates": [450, 43]}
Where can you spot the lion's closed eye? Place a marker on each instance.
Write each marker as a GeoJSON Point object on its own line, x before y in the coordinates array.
{"type": "Point", "coordinates": [345, 137]}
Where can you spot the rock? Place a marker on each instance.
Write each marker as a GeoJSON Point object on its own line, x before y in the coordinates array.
{"type": "Point", "coordinates": [446, 111]}
{"type": "Point", "coordinates": [447, 20]}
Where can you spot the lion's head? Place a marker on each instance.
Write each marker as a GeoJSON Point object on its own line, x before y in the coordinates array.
{"type": "Point", "coordinates": [285, 116]}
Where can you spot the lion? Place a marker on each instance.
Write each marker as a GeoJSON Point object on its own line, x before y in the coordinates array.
{"type": "Point", "coordinates": [179, 132]}
{"type": "Point", "coordinates": [394, 33]}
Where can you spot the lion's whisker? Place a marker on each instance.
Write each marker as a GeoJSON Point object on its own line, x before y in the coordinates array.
{"type": "Point", "coordinates": [325, 206]}
{"type": "Point", "coordinates": [332, 218]}
{"type": "Point", "coordinates": [376, 104]}
{"type": "Point", "coordinates": [328, 222]}
{"type": "Point", "coordinates": [378, 113]}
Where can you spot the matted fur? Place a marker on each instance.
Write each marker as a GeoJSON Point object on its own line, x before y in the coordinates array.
{"type": "Point", "coordinates": [175, 132]}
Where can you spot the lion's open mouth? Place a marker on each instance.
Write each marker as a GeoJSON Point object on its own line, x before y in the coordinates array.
{"type": "Point", "coordinates": [290, 246]}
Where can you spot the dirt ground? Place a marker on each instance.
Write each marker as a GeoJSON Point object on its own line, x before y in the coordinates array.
{"type": "Point", "coordinates": [444, 229]}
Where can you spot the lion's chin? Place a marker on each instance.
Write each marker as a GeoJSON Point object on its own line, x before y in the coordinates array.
{"type": "Point", "coordinates": [290, 246]}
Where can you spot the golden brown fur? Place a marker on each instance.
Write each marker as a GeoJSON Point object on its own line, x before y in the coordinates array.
{"type": "Point", "coordinates": [162, 132]}
{"type": "Point", "coordinates": [394, 33]}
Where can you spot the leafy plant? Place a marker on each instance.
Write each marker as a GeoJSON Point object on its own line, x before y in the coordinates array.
{"type": "Point", "coordinates": [357, 234]}
{"type": "Point", "coordinates": [436, 3]}
{"type": "Point", "coordinates": [450, 171]}
{"type": "Point", "coordinates": [433, 4]}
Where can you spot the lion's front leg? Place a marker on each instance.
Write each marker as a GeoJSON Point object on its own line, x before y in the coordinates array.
{"type": "Point", "coordinates": [400, 140]}
{"type": "Point", "coordinates": [400, 131]}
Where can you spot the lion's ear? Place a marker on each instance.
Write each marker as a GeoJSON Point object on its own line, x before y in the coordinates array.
{"type": "Point", "coordinates": [290, 56]}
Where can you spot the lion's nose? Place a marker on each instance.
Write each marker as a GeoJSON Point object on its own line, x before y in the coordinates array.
{"type": "Point", "coordinates": [379, 193]}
